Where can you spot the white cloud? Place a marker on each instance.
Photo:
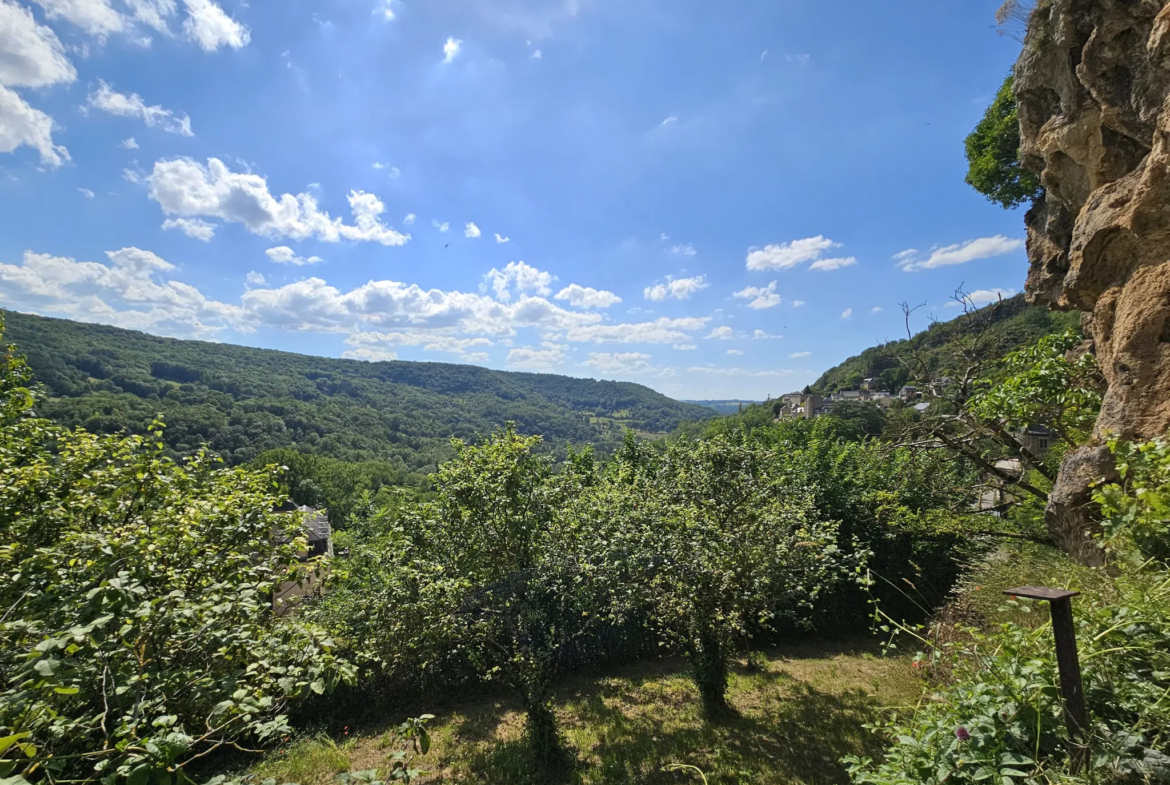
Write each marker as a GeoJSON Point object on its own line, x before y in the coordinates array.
{"type": "Point", "coordinates": [685, 347]}
{"type": "Point", "coordinates": [622, 363]}
{"type": "Point", "coordinates": [366, 354]}
{"type": "Point", "coordinates": [550, 354]}
{"type": "Point", "coordinates": [386, 9]}
{"type": "Point", "coordinates": [676, 288]}
{"type": "Point", "coordinates": [254, 277]}
{"type": "Point", "coordinates": [500, 239]}
{"type": "Point", "coordinates": [471, 230]}
{"type": "Point", "coordinates": [735, 352]}
{"type": "Point", "coordinates": [763, 54]}
{"type": "Point", "coordinates": [442, 227]}
{"type": "Point", "coordinates": [833, 264]}
{"type": "Point", "coordinates": [684, 250]}
{"type": "Point", "coordinates": [663, 237]}
{"type": "Point", "coordinates": [662, 330]}
{"type": "Point", "coordinates": [428, 340]}
{"type": "Point", "coordinates": [192, 227]}
{"type": "Point", "coordinates": [109, 100]}
{"type": "Point", "coordinates": [669, 121]}
{"type": "Point", "coordinates": [207, 25]}
{"type": "Point", "coordinates": [723, 333]}
{"type": "Point", "coordinates": [185, 187]}
{"type": "Point", "coordinates": [409, 219]}
{"type": "Point", "coordinates": [21, 124]}
{"type": "Point", "coordinates": [128, 144]}
{"type": "Point", "coordinates": [96, 17]}
{"type": "Point", "coordinates": [959, 253]}
{"type": "Point", "coordinates": [586, 297]}
{"type": "Point", "coordinates": [88, 194]}
{"type": "Point", "coordinates": [451, 49]}
{"type": "Point", "coordinates": [517, 277]}
{"type": "Point", "coordinates": [847, 313]}
{"type": "Point", "coordinates": [984, 296]}
{"type": "Point", "coordinates": [153, 13]}
{"type": "Point", "coordinates": [876, 309]}
{"type": "Point", "coordinates": [761, 297]}
{"type": "Point", "coordinates": [784, 255]}
{"type": "Point", "coordinates": [31, 55]}
{"type": "Point", "coordinates": [797, 303]}
{"type": "Point", "coordinates": [125, 292]}
{"type": "Point", "coordinates": [760, 335]}
{"type": "Point", "coordinates": [798, 355]}
{"type": "Point", "coordinates": [536, 55]}
{"type": "Point", "coordinates": [282, 254]}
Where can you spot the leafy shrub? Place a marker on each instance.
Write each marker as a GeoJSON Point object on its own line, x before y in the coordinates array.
{"type": "Point", "coordinates": [993, 154]}
{"type": "Point", "coordinates": [137, 632]}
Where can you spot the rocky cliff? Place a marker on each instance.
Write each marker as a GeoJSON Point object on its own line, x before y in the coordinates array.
{"type": "Point", "coordinates": [1092, 86]}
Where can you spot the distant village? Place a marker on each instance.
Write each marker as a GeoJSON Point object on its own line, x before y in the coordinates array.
{"type": "Point", "coordinates": [810, 405]}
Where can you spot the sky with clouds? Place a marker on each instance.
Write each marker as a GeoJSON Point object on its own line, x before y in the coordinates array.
{"type": "Point", "coordinates": [713, 200]}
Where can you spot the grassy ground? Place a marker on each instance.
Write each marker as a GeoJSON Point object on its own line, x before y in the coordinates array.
{"type": "Point", "coordinates": [802, 710]}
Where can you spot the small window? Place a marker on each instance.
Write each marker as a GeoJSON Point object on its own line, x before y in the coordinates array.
{"type": "Point", "coordinates": [1043, 444]}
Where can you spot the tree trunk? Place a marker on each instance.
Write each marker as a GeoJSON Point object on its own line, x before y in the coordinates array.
{"type": "Point", "coordinates": [709, 658]}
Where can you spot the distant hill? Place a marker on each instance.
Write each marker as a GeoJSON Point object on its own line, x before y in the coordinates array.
{"type": "Point", "coordinates": [724, 406]}
{"type": "Point", "coordinates": [242, 401]}
{"type": "Point", "coordinates": [1016, 324]}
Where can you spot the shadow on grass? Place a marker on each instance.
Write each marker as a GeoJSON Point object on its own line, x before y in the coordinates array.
{"type": "Point", "coordinates": [799, 736]}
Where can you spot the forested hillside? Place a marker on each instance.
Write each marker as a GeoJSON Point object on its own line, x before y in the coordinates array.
{"type": "Point", "coordinates": [243, 401]}
{"type": "Point", "coordinates": [1017, 324]}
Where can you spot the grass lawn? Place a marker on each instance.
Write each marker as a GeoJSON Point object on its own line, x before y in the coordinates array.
{"type": "Point", "coordinates": [802, 710]}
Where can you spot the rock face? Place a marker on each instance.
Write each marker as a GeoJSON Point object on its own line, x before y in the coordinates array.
{"type": "Point", "coordinates": [1092, 86]}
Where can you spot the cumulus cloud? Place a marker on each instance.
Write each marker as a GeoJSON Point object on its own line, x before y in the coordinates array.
{"type": "Point", "coordinates": [282, 254]}
{"type": "Point", "coordinates": [797, 303]}
{"type": "Point", "coordinates": [549, 354]}
{"type": "Point", "coordinates": [684, 250]}
{"type": "Point", "coordinates": [620, 363]}
{"type": "Point", "coordinates": [88, 194]}
{"type": "Point", "coordinates": [798, 355]}
{"type": "Point", "coordinates": [255, 278]}
{"type": "Point", "coordinates": [442, 227]}
{"type": "Point", "coordinates": [471, 230]}
{"type": "Point", "coordinates": [959, 253]}
{"type": "Point", "coordinates": [128, 144]}
{"type": "Point", "coordinates": [385, 8]}
{"type": "Point", "coordinates": [876, 309]}
{"type": "Point", "coordinates": [501, 239]}
{"type": "Point", "coordinates": [781, 256]}
{"type": "Point", "coordinates": [517, 277]}
{"type": "Point", "coordinates": [96, 17]}
{"type": "Point", "coordinates": [735, 352]}
{"type": "Point", "coordinates": [723, 333]}
{"type": "Point", "coordinates": [192, 227]}
{"type": "Point", "coordinates": [536, 55]}
{"type": "Point", "coordinates": [409, 219]}
{"type": "Point", "coordinates": [662, 330]}
{"type": "Point", "coordinates": [366, 354]}
{"type": "Point", "coordinates": [184, 187]}
{"type": "Point", "coordinates": [833, 264]}
{"type": "Point", "coordinates": [586, 297]}
{"type": "Point", "coordinates": [208, 26]}
{"type": "Point", "coordinates": [127, 291]}
{"type": "Point", "coordinates": [984, 296]}
{"type": "Point", "coordinates": [761, 335]}
{"type": "Point", "coordinates": [21, 124]}
{"type": "Point", "coordinates": [429, 341]}
{"type": "Point", "coordinates": [675, 288]}
{"type": "Point", "coordinates": [761, 297]}
{"type": "Point", "coordinates": [451, 49]}
{"type": "Point", "coordinates": [716, 371]}
{"type": "Point", "coordinates": [106, 99]}
{"type": "Point", "coordinates": [847, 313]}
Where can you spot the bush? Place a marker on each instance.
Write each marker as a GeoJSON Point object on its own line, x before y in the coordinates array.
{"type": "Point", "coordinates": [993, 154]}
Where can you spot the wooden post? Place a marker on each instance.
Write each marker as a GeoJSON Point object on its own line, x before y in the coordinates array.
{"type": "Point", "coordinates": [1068, 665]}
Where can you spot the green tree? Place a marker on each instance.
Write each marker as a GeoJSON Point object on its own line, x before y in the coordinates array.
{"type": "Point", "coordinates": [138, 632]}
{"type": "Point", "coordinates": [735, 546]}
{"type": "Point", "coordinates": [525, 576]}
{"type": "Point", "coordinates": [993, 154]}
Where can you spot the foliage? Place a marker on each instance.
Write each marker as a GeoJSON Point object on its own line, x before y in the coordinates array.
{"type": "Point", "coordinates": [240, 402]}
{"type": "Point", "coordinates": [1002, 717]}
{"type": "Point", "coordinates": [137, 632]}
{"type": "Point", "coordinates": [993, 154]}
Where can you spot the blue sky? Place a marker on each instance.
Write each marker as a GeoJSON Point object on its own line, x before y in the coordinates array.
{"type": "Point", "coordinates": [716, 200]}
